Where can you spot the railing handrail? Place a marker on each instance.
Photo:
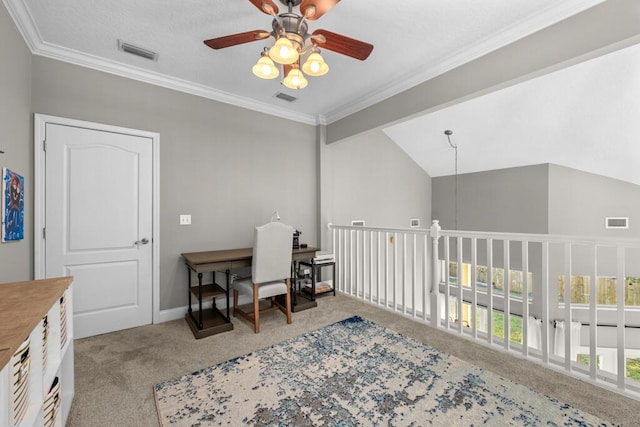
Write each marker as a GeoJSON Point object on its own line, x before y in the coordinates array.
{"type": "Point", "coordinates": [385, 229]}
{"type": "Point", "coordinates": [530, 237]}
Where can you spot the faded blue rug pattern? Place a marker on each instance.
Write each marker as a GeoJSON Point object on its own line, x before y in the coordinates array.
{"type": "Point", "coordinates": [350, 373]}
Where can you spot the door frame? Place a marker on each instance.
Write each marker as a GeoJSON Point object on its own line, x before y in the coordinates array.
{"type": "Point", "coordinates": [39, 192]}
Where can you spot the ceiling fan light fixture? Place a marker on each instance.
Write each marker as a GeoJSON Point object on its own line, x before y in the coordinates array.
{"type": "Point", "coordinates": [295, 79]}
{"type": "Point", "coordinates": [283, 51]}
{"type": "Point", "coordinates": [265, 68]}
{"type": "Point", "coordinates": [293, 40]}
{"type": "Point", "coordinates": [315, 65]}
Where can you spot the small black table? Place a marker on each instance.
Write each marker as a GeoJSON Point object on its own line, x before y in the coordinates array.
{"type": "Point", "coordinates": [316, 266]}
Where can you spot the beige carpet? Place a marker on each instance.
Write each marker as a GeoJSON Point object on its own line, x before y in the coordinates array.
{"type": "Point", "coordinates": [115, 373]}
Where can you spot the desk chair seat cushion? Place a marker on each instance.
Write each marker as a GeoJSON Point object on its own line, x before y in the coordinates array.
{"type": "Point", "coordinates": [265, 290]}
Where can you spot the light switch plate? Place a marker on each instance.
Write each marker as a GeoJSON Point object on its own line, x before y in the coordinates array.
{"type": "Point", "coordinates": [185, 219]}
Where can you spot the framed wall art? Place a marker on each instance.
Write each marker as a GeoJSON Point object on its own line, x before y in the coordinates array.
{"type": "Point", "coordinates": [12, 206]}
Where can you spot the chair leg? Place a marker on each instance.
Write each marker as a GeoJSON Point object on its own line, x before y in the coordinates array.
{"type": "Point", "coordinates": [287, 301]}
{"type": "Point", "coordinates": [256, 309]}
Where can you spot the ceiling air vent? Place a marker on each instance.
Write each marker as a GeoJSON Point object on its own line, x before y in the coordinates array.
{"type": "Point", "coordinates": [616, 222]}
{"type": "Point", "coordinates": [285, 97]}
{"type": "Point", "coordinates": [137, 50]}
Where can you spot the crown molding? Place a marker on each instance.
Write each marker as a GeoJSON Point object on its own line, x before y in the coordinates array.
{"type": "Point", "coordinates": [29, 31]}
{"type": "Point", "coordinates": [135, 73]}
{"type": "Point", "coordinates": [26, 26]}
{"type": "Point", "coordinates": [514, 32]}
{"type": "Point", "coordinates": [23, 19]}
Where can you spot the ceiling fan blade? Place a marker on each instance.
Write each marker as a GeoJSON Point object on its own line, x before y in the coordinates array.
{"type": "Point", "coordinates": [314, 9]}
{"type": "Point", "coordinates": [236, 39]}
{"type": "Point", "coordinates": [342, 44]}
{"type": "Point", "coordinates": [266, 6]}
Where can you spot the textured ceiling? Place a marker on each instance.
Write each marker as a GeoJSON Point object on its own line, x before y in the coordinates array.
{"type": "Point", "coordinates": [584, 117]}
{"type": "Point", "coordinates": [414, 40]}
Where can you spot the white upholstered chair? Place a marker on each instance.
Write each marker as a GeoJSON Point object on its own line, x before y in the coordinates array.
{"type": "Point", "coordinates": [270, 272]}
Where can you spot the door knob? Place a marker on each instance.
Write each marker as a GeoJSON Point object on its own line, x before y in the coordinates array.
{"type": "Point", "coordinates": [144, 241]}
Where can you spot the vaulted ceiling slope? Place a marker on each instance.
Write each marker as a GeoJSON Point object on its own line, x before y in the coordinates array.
{"type": "Point", "coordinates": [414, 41]}
{"type": "Point", "coordinates": [584, 117]}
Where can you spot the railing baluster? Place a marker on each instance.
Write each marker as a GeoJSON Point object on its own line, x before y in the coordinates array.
{"type": "Point", "coordinates": [404, 273]}
{"type": "Point", "coordinates": [506, 281]}
{"type": "Point", "coordinates": [371, 266]}
{"type": "Point", "coordinates": [620, 273]}
{"type": "Point", "coordinates": [425, 271]}
{"type": "Point", "coordinates": [525, 298]}
{"type": "Point", "coordinates": [386, 270]}
{"type": "Point", "coordinates": [395, 271]}
{"type": "Point", "coordinates": [490, 290]}
{"type": "Point", "coordinates": [363, 265]}
{"type": "Point", "coordinates": [546, 321]}
{"type": "Point", "coordinates": [357, 257]}
{"type": "Point", "coordinates": [593, 315]}
{"type": "Point", "coordinates": [335, 255]}
{"type": "Point", "coordinates": [434, 291]}
{"type": "Point", "coordinates": [414, 276]}
{"type": "Point", "coordinates": [447, 290]}
{"type": "Point", "coordinates": [474, 284]}
{"type": "Point", "coordinates": [567, 307]}
{"type": "Point", "coordinates": [378, 262]}
{"type": "Point", "coordinates": [460, 284]}
{"type": "Point", "coordinates": [351, 258]}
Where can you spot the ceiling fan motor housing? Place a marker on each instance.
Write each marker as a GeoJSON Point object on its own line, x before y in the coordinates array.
{"type": "Point", "coordinates": [294, 28]}
{"type": "Point", "coordinates": [293, 3]}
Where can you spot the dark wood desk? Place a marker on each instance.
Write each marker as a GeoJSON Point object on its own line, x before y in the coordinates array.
{"type": "Point", "coordinates": [209, 322]}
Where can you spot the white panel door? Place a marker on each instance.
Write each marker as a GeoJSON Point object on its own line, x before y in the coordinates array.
{"type": "Point", "coordinates": [98, 213]}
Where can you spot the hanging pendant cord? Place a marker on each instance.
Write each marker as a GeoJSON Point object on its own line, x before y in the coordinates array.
{"type": "Point", "coordinates": [455, 185]}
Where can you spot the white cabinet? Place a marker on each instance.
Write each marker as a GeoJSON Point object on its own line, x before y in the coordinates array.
{"type": "Point", "coordinates": [36, 377]}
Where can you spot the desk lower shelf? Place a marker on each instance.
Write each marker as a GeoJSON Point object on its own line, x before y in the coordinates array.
{"type": "Point", "coordinates": [209, 291]}
{"type": "Point", "coordinates": [321, 288]}
{"type": "Point", "coordinates": [212, 323]}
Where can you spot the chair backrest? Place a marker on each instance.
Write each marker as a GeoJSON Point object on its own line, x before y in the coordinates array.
{"type": "Point", "coordinates": [272, 246]}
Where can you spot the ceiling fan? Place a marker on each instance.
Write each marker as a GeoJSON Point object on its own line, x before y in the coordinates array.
{"type": "Point", "coordinates": [290, 30]}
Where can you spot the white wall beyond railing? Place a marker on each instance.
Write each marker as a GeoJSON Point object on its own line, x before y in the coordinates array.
{"type": "Point", "coordinates": [403, 270]}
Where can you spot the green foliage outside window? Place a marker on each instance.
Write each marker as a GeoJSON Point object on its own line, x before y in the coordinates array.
{"type": "Point", "coordinates": [515, 327]}
{"type": "Point", "coordinates": [606, 290]}
{"type": "Point", "coordinates": [633, 368]}
{"type": "Point", "coordinates": [633, 365]}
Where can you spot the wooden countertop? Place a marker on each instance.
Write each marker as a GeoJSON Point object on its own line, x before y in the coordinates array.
{"type": "Point", "coordinates": [22, 307]}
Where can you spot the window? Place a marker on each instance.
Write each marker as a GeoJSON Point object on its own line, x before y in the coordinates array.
{"type": "Point", "coordinates": [515, 279]}
{"type": "Point", "coordinates": [515, 322]}
{"type": "Point", "coordinates": [606, 289]}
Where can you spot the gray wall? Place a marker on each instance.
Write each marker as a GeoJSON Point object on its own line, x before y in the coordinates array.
{"type": "Point", "coordinates": [16, 258]}
{"type": "Point", "coordinates": [580, 201]}
{"type": "Point", "coordinates": [228, 167]}
{"type": "Point", "coordinates": [505, 200]}
{"type": "Point", "coordinates": [368, 177]}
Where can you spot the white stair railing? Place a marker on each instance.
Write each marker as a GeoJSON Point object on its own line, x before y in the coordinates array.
{"type": "Point", "coordinates": [526, 291]}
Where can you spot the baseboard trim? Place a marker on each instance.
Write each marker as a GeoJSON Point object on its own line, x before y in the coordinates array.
{"type": "Point", "coordinates": [179, 312]}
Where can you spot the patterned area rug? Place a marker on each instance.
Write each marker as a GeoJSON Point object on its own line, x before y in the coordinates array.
{"type": "Point", "coordinates": [355, 372]}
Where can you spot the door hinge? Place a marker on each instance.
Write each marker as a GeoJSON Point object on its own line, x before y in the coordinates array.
{"type": "Point", "coordinates": [44, 145]}
{"type": "Point", "coordinates": [44, 232]}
